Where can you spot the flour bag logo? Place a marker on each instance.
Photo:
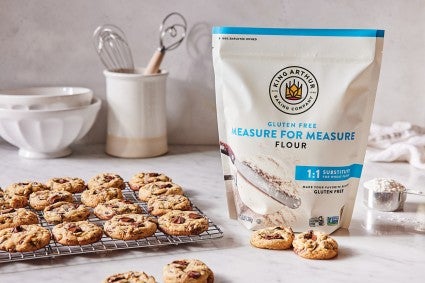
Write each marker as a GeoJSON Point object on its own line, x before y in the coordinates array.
{"type": "Point", "coordinates": [293, 90]}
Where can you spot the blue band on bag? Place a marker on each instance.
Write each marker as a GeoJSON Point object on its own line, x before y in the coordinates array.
{"type": "Point", "coordinates": [300, 32]}
{"type": "Point", "coordinates": [327, 173]}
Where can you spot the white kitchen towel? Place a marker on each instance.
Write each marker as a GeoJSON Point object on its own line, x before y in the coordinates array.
{"type": "Point", "coordinates": [402, 141]}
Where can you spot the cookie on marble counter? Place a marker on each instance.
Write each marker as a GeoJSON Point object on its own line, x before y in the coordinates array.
{"type": "Point", "coordinates": [143, 178]}
{"type": "Point", "coordinates": [77, 233]}
{"type": "Point", "coordinates": [130, 277]}
{"type": "Point", "coordinates": [187, 271]}
{"type": "Point", "coordinates": [130, 226]}
{"type": "Point", "coordinates": [40, 199]}
{"type": "Point", "coordinates": [92, 197]}
{"type": "Point", "coordinates": [24, 238]}
{"type": "Point", "coordinates": [15, 217]}
{"type": "Point", "coordinates": [183, 223]}
{"type": "Point", "coordinates": [65, 212]}
{"type": "Point", "coordinates": [159, 205]}
{"type": "Point", "coordinates": [273, 238]}
{"type": "Point", "coordinates": [159, 188]}
{"type": "Point", "coordinates": [110, 208]}
{"type": "Point", "coordinates": [106, 180]}
{"type": "Point", "coordinates": [315, 245]}
{"type": "Point", "coordinates": [69, 184]}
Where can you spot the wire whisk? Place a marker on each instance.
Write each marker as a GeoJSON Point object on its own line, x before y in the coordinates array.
{"type": "Point", "coordinates": [113, 50]}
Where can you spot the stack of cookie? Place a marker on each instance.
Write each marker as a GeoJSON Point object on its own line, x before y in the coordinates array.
{"type": "Point", "coordinates": [310, 244]}
{"type": "Point", "coordinates": [66, 204]}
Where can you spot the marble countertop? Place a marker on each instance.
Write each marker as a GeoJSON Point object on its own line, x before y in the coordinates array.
{"type": "Point", "coordinates": [378, 247]}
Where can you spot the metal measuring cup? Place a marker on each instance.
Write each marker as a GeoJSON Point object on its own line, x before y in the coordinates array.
{"type": "Point", "coordinates": [386, 194]}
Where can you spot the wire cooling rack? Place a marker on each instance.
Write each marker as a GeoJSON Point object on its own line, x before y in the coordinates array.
{"type": "Point", "coordinates": [54, 249]}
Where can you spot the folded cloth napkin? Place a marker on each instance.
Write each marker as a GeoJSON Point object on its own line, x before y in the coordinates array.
{"type": "Point", "coordinates": [401, 141]}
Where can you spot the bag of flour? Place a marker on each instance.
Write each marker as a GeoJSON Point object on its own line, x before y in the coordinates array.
{"type": "Point", "coordinates": [294, 110]}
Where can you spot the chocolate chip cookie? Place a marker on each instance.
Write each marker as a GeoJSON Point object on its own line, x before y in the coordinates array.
{"type": "Point", "coordinates": [130, 277]}
{"type": "Point", "coordinates": [20, 216]}
{"type": "Point", "coordinates": [65, 212]}
{"type": "Point", "coordinates": [92, 197]}
{"type": "Point", "coordinates": [17, 193]}
{"type": "Point", "coordinates": [40, 199]}
{"type": "Point", "coordinates": [24, 238]}
{"type": "Point", "coordinates": [5, 205]}
{"type": "Point", "coordinates": [11, 201]}
{"type": "Point", "coordinates": [24, 188]}
{"type": "Point", "coordinates": [187, 271]}
{"type": "Point", "coordinates": [77, 233]}
{"type": "Point", "coordinates": [130, 226]}
{"type": "Point", "coordinates": [159, 205]}
{"type": "Point", "coordinates": [273, 238]}
{"type": "Point", "coordinates": [69, 184]}
{"type": "Point", "coordinates": [106, 180]}
{"type": "Point", "coordinates": [183, 223]}
{"type": "Point", "coordinates": [159, 188]}
{"type": "Point", "coordinates": [114, 207]}
{"type": "Point", "coordinates": [315, 245]}
{"type": "Point", "coordinates": [143, 178]}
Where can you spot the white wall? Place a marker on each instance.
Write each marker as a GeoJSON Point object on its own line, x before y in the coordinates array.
{"type": "Point", "coordinates": [49, 43]}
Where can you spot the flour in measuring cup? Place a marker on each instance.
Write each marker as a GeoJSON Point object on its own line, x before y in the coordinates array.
{"type": "Point", "coordinates": [384, 185]}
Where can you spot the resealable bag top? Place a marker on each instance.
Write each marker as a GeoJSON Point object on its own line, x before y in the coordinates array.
{"type": "Point", "coordinates": [294, 108]}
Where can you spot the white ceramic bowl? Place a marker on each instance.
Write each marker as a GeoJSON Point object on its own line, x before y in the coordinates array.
{"type": "Point", "coordinates": [45, 98]}
{"type": "Point", "coordinates": [47, 133]}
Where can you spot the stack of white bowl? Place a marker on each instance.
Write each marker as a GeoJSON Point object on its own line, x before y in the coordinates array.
{"type": "Point", "coordinates": [44, 121]}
